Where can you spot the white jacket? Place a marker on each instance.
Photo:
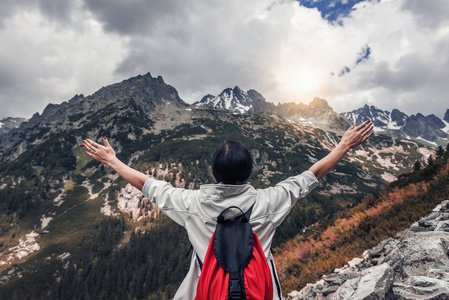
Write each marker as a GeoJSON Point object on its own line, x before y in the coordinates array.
{"type": "Point", "coordinates": [197, 211]}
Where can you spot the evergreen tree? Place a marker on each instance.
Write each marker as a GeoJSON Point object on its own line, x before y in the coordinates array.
{"type": "Point", "coordinates": [417, 166]}
{"type": "Point", "coordinates": [440, 152]}
{"type": "Point", "coordinates": [446, 154]}
{"type": "Point", "coordinates": [430, 160]}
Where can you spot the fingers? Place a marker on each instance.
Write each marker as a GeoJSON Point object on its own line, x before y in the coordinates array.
{"type": "Point", "coordinates": [367, 136]}
{"type": "Point", "coordinates": [91, 143]}
{"type": "Point", "coordinates": [363, 125]}
{"type": "Point", "coordinates": [365, 130]}
{"type": "Point", "coordinates": [106, 142]}
{"type": "Point", "coordinates": [89, 146]}
{"type": "Point", "coordinates": [92, 147]}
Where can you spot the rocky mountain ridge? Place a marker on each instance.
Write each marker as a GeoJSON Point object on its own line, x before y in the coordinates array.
{"type": "Point", "coordinates": [414, 265]}
{"type": "Point", "coordinates": [426, 129]}
{"type": "Point", "coordinates": [143, 91]}
{"type": "Point", "coordinates": [317, 113]}
{"type": "Point", "coordinates": [8, 124]}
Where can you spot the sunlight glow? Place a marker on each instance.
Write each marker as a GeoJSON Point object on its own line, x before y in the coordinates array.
{"type": "Point", "coordinates": [300, 84]}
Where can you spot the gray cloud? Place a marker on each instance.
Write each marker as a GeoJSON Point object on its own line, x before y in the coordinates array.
{"type": "Point", "coordinates": [138, 17]}
{"type": "Point", "coordinates": [430, 14]}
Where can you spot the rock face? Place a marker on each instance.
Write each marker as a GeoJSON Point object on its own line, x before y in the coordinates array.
{"type": "Point", "coordinates": [8, 124]}
{"type": "Point", "coordinates": [142, 95]}
{"type": "Point", "coordinates": [415, 265]}
{"type": "Point", "coordinates": [428, 129]}
{"type": "Point", "coordinates": [237, 101]}
{"type": "Point", "coordinates": [317, 113]}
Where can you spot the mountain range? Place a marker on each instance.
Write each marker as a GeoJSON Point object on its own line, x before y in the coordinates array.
{"type": "Point", "coordinates": [425, 129]}
{"type": "Point", "coordinates": [71, 228]}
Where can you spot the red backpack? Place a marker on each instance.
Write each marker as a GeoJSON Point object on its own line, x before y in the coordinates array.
{"type": "Point", "coordinates": [235, 266]}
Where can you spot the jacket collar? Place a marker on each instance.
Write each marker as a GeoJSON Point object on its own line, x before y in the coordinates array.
{"type": "Point", "coordinates": [217, 197]}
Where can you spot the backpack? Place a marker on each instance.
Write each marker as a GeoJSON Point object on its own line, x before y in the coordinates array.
{"type": "Point", "coordinates": [235, 266]}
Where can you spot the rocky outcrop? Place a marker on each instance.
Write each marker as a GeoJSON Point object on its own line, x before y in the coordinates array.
{"type": "Point", "coordinates": [426, 129]}
{"type": "Point", "coordinates": [8, 124]}
{"type": "Point", "coordinates": [317, 113]}
{"type": "Point", "coordinates": [414, 265]}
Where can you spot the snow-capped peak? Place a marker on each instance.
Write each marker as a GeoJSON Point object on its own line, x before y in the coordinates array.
{"type": "Point", "coordinates": [235, 100]}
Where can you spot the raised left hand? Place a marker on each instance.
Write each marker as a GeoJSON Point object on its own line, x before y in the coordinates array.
{"type": "Point", "coordinates": [104, 154]}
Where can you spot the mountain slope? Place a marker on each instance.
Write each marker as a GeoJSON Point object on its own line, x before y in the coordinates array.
{"type": "Point", "coordinates": [334, 241]}
{"type": "Point", "coordinates": [414, 265]}
{"type": "Point", "coordinates": [53, 198]}
{"type": "Point", "coordinates": [427, 129]}
{"type": "Point", "coordinates": [317, 113]}
{"type": "Point", "coordinates": [8, 124]}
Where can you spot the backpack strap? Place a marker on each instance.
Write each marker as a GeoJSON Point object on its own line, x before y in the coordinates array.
{"type": "Point", "coordinates": [199, 261]}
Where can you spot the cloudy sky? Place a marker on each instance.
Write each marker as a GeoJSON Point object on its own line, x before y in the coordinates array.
{"type": "Point", "coordinates": [388, 53]}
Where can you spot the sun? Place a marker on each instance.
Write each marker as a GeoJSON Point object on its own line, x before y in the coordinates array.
{"type": "Point", "coordinates": [300, 83]}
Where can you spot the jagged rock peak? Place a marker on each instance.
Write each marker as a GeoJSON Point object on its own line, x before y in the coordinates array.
{"type": "Point", "coordinates": [319, 103]}
{"type": "Point", "coordinates": [415, 265]}
{"type": "Point", "coordinates": [446, 116]}
{"type": "Point", "coordinates": [380, 118]}
{"type": "Point", "coordinates": [141, 87]}
{"type": "Point", "coordinates": [425, 129]}
{"type": "Point", "coordinates": [233, 99]}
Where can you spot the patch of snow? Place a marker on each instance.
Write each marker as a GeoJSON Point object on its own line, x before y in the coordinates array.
{"type": "Point", "coordinates": [333, 141]}
{"type": "Point", "coordinates": [388, 177]}
{"type": "Point", "coordinates": [426, 152]}
{"type": "Point", "coordinates": [188, 109]}
{"type": "Point", "coordinates": [393, 126]}
{"type": "Point", "coordinates": [311, 158]}
{"type": "Point", "coordinates": [45, 221]}
{"type": "Point", "coordinates": [446, 128]}
{"type": "Point", "coordinates": [58, 200]}
{"type": "Point", "coordinates": [361, 152]}
{"type": "Point", "coordinates": [1, 124]}
{"type": "Point", "coordinates": [378, 129]}
{"type": "Point", "coordinates": [427, 141]}
{"type": "Point", "coordinates": [269, 145]}
{"type": "Point", "coordinates": [64, 255]}
{"type": "Point", "coordinates": [386, 162]}
{"type": "Point", "coordinates": [26, 246]}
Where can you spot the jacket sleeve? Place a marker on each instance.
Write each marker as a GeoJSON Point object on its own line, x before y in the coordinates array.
{"type": "Point", "coordinates": [174, 202]}
{"type": "Point", "coordinates": [281, 198]}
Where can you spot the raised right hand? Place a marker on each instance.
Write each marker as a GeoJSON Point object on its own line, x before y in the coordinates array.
{"type": "Point", "coordinates": [354, 136]}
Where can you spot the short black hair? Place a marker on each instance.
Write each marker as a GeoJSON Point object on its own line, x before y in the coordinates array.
{"type": "Point", "coordinates": [232, 163]}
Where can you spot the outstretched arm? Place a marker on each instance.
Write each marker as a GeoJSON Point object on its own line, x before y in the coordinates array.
{"type": "Point", "coordinates": [353, 137]}
{"type": "Point", "coordinates": [106, 155]}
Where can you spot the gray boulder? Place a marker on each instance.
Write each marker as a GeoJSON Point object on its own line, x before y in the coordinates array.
{"type": "Point", "coordinates": [415, 265]}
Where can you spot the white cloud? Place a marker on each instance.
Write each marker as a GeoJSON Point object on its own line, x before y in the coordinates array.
{"type": "Point", "coordinates": [285, 51]}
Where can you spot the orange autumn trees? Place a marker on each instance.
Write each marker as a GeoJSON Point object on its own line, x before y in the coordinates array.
{"type": "Point", "coordinates": [338, 239]}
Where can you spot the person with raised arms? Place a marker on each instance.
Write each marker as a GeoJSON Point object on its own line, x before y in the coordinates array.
{"type": "Point", "coordinates": [197, 210]}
